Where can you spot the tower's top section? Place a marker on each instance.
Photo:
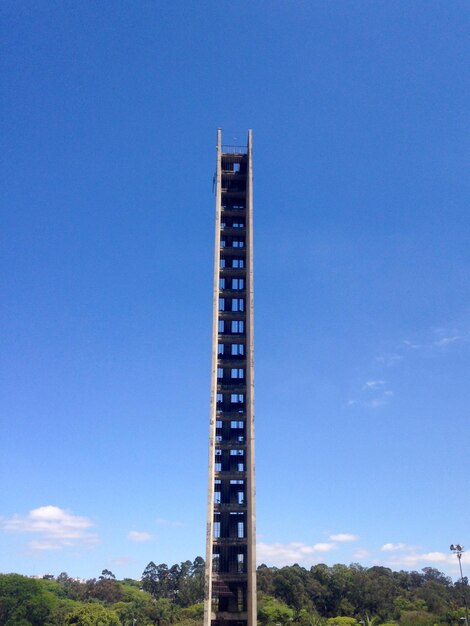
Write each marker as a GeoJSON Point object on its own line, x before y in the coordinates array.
{"type": "Point", "coordinates": [234, 146]}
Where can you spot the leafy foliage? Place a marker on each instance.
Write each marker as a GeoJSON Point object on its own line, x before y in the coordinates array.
{"type": "Point", "coordinates": [92, 615]}
{"type": "Point", "coordinates": [24, 601]}
{"type": "Point", "coordinates": [165, 596]}
{"type": "Point", "coordinates": [374, 596]}
{"type": "Point", "coordinates": [273, 611]}
{"type": "Point", "coordinates": [183, 584]}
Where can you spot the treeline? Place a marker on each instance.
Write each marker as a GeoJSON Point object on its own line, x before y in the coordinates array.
{"type": "Point", "coordinates": [375, 595]}
{"type": "Point", "coordinates": [289, 596]}
{"type": "Point", "coordinates": [182, 584]}
{"type": "Point", "coordinates": [164, 596]}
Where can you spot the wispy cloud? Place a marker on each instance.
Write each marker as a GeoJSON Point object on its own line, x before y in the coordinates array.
{"type": "Point", "coordinates": [389, 359]}
{"type": "Point", "coordinates": [323, 547]}
{"type": "Point", "coordinates": [445, 341]}
{"type": "Point", "coordinates": [412, 345]}
{"type": "Point", "coordinates": [288, 553]}
{"type": "Point", "coordinates": [393, 547]}
{"type": "Point", "coordinates": [374, 384]}
{"type": "Point", "coordinates": [405, 555]}
{"type": "Point", "coordinates": [139, 536]}
{"type": "Point", "coordinates": [375, 392]}
{"type": "Point", "coordinates": [394, 555]}
{"type": "Point", "coordinates": [443, 337]}
{"type": "Point", "coordinates": [374, 403]}
{"type": "Point", "coordinates": [433, 341]}
{"type": "Point", "coordinates": [372, 394]}
{"type": "Point", "coordinates": [344, 537]}
{"type": "Point", "coordinates": [55, 528]}
{"type": "Point", "coordinates": [416, 558]}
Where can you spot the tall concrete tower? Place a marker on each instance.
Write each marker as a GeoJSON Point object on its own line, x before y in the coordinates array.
{"type": "Point", "coordinates": [230, 595]}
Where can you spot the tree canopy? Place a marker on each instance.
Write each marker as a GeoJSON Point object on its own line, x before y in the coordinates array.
{"type": "Point", "coordinates": [172, 595]}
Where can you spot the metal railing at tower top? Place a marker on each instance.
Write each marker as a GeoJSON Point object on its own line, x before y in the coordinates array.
{"type": "Point", "coordinates": [234, 149]}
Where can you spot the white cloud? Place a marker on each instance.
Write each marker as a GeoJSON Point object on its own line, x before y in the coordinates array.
{"type": "Point", "coordinates": [55, 528]}
{"type": "Point", "coordinates": [392, 547]}
{"type": "Point", "coordinates": [413, 346]}
{"type": "Point", "coordinates": [447, 337]}
{"type": "Point", "coordinates": [411, 557]}
{"type": "Point", "coordinates": [373, 394]}
{"type": "Point", "coordinates": [374, 384]}
{"type": "Point", "coordinates": [139, 536]}
{"type": "Point", "coordinates": [445, 341]}
{"type": "Point", "coordinates": [288, 553]}
{"type": "Point", "coordinates": [426, 557]}
{"type": "Point", "coordinates": [324, 547]}
{"type": "Point", "coordinates": [37, 544]}
{"type": "Point", "coordinates": [344, 537]}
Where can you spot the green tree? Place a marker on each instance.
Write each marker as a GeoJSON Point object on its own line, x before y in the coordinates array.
{"type": "Point", "coordinates": [289, 584]}
{"type": "Point", "coordinates": [72, 588]}
{"type": "Point", "coordinates": [197, 568]}
{"type": "Point", "coordinates": [175, 575]}
{"type": "Point", "coordinates": [191, 582]}
{"type": "Point", "coordinates": [264, 579]}
{"type": "Point", "coordinates": [380, 592]}
{"type": "Point", "coordinates": [342, 621]}
{"type": "Point", "coordinates": [409, 604]}
{"type": "Point", "coordinates": [196, 612]}
{"type": "Point", "coordinates": [417, 618]}
{"type": "Point", "coordinates": [272, 611]}
{"type": "Point", "coordinates": [166, 612]}
{"type": "Point", "coordinates": [107, 590]}
{"type": "Point", "coordinates": [150, 579]}
{"type": "Point", "coordinates": [63, 608]}
{"type": "Point", "coordinates": [319, 588]}
{"type": "Point", "coordinates": [308, 618]}
{"type": "Point", "coordinates": [24, 601]}
{"type": "Point", "coordinates": [163, 577]}
{"type": "Point", "coordinates": [92, 614]}
{"type": "Point", "coordinates": [135, 604]}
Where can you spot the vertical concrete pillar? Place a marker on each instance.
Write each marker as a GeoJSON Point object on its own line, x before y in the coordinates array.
{"type": "Point", "coordinates": [230, 579]}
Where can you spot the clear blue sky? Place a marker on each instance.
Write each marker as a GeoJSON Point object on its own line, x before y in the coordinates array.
{"type": "Point", "coordinates": [360, 115]}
